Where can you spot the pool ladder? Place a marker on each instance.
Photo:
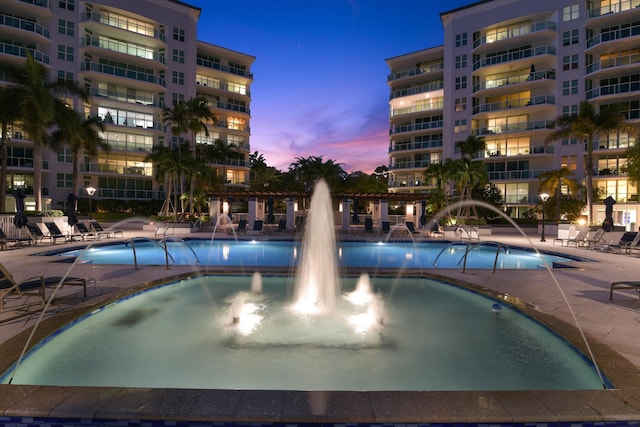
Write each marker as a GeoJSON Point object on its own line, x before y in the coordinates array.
{"type": "Point", "coordinates": [469, 246]}
{"type": "Point", "coordinates": [163, 246]}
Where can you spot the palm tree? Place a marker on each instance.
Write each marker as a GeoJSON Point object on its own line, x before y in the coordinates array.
{"type": "Point", "coordinates": [169, 167]}
{"type": "Point", "coordinates": [36, 103]}
{"type": "Point", "coordinates": [8, 116]}
{"type": "Point", "coordinates": [437, 172]}
{"type": "Point", "coordinates": [586, 126]}
{"type": "Point", "coordinates": [81, 136]}
{"type": "Point", "coordinates": [471, 146]}
{"type": "Point", "coordinates": [632, 168]}
{"type": "Point", "coordinates": [553, 180]}
{"type": "Point", "coordinates": [467, 175]}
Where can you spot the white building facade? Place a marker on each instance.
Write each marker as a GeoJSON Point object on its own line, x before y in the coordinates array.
{"type": "Point", "coordinates": [135, 58]}
{"type": "Point", "coordinates": [506, 71]}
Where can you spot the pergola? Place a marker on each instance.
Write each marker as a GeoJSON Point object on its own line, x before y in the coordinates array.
{"type": "Point", "coordinates": [257, 199]}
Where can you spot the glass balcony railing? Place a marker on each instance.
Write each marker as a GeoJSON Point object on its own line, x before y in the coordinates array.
{"type": "Point", "coordinates": [514, 103]}
{"type": "Point", "coordinates": [41, 3]}
{"type": "Point", "coordinates": [619, 61]}
{"type": "Point", "coordinates": [10, 49]}
{"type": "Point", "coordinates": [127, 97]}
{"type": "Point", "coordinates": [513, 31]}
{"type": "Point", "coordinates": [614, 7]}
{"type": "Point", "coordinates": [122, 72]}
{"type": "Point", "coordinates": [512, 175]}
{"type": "Point", "coordinates": [614, 89]}
{"type": "Point", "coordinates": [514, 127]}
{"type": "Point", "coordinates": [418, 89]}
{"type": "Point", "coordinates": [416, 146]}
{"type": "Point", "coordinates": [124, 47]}
{"type": "Point", "coordinates": [416, 71]}
{"type": "Point", "coordinates": [23, 24]}
{"type": "Point", "coordinates": [514, 56]}
{"type": "Point", "coordinates": [436, 104]}
{"type": "Point", "coordinates": [523, 76]}
{"type": "Point", "coordinates": [226, 68]}
{"type": "Point", "coordinates": [418, 126]}
{"type": "Point", "coordinates": [626, 31]}
{"type": "Point", "coordinates": [124, 23]}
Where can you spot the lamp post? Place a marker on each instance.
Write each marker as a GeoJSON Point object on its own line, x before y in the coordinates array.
{"type": "Point", "coordinates": [544, 197]}
{"type": "Point", "coordinates": [90, 191]}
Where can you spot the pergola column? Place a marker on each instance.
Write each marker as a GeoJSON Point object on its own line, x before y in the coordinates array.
{"type": "Point", "coordinates": [346, 213]}
{"type": "Point", "coordinates": [291, 213]}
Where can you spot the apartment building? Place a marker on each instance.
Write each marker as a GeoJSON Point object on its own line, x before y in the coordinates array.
{"type": "Point", "coordinates": [506, 70]}
{"type": "Point", "coordinates": [135, 58]}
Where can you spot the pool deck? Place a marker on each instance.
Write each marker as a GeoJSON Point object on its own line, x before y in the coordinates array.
{"type": "Point", "coordinates": [612, 328]}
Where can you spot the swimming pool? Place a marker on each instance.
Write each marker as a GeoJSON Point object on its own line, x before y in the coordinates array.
{"type": "Point", "coordinates": [434, 336]}
{"type": "Point", "coordinates": [265, 253]}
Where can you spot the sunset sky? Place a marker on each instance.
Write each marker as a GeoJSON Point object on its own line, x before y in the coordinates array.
{"type": "Point", "coordinates": [320, 72]}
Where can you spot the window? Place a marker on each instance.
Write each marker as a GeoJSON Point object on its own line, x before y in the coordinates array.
{"type": "Point", "coordinates": [178, 77]}
{"type": "Point", "coordinates": [65, 76]}
{"type": "Point", "coordinates": [64, 155]}
{"type": "Point", "coordinates": [569, 87]}
{"type": "Point", "coordinates": [461, 39]}
{"type": "Point", "coordinates": [570, 62]}
{"type": "Point", "coordinates": [570, 37]}
{"type": "Point", "coordinates": [460, 126]}
{"type": "Point", "coordinates": [177, 98]}
{"type": "Point", "coordinates": [64, 180]}
{"type": "Point", "coordinates": [461, 61]}
{"type": "Point", "coordinates": [65, 53]}
{"type": "Point", "coordinates": [569, 141]}
{"type": "Point", "coordinates": [67, 4]}
{"type": "Point", "coordinates": [570, 110]}
{"type": "Point", "coordinates": [461, 104]}
{"type": "Point", "coordinates": [66, 27]}
{"type": "Point", "coordinates": [570, 13]}
{"type": "Point", "coordinates": [178, 34]}
{"type": "Point", "coordinates": [178, 56]}
{"type": "Point", "coordinates": [461, 82]}
{"type": "Point", "coordinates": [569, 162]}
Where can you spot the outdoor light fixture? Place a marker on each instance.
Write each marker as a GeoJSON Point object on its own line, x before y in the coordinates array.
{"type": "Point", "coordinates": [90, 191]}
{"type": "Point", "coordinates": [544, 197]}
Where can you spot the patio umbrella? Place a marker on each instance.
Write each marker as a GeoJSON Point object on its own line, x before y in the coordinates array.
{"type": "Point", "coordinates": [270, 218]}
{"type": "Point", "coordinates": [423, 216]}
{"type": "Point", "coordinates": [20, 219]}
{"type": "Point", "coordinates": [356, 207]}
{"type": "Point", "coordinates": [607, 225]}
{"type": "Point", "coordinates": [72, 219]}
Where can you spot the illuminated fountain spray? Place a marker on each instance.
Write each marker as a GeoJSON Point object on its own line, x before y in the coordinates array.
{"type": "Point", "coordinates": [316, 286]}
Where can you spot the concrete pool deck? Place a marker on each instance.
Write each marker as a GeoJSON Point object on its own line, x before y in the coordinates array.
{"type": "Point", "coordinates": [612, 328]}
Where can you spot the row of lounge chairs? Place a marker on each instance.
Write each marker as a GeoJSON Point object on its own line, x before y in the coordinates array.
{"type": "Point", "coordinates": [53, 234]}
{"type": "Point", "coordinates": [628, 242]}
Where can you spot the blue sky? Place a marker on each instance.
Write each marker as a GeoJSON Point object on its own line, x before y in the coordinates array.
{"type": "Point", "coordinates": [320, 72]}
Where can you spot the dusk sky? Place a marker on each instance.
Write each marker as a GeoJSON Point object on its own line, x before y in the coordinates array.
{"type": "Point", "coordinates": [320, 73]}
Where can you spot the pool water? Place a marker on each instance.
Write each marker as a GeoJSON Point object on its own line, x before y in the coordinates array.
{"type": "Point", "coordinates": [371, 255]}
{"type": "Point", "coordinates": [434, 336]}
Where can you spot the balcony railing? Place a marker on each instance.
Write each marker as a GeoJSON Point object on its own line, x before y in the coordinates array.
{"type": "Point", "coordinates": [126, 97]}
{"type": "Point", "coordinates": [229, 106]}
{"type": "Point", "coordinates": [14, 50]}
{"type": "Point", "coordinates": [514, 103]}
{"type": "Point", "coordinates": [614, 7]}
{"type": "Point", "coordinates": [619, 61]}
{"type": "Point", "coordinates": [416, 146]}
{"type": "Point", "coordinates": [411, 164]}
{"type": "Point", "coordinates": [436, 104]}
{"type": "Point", "coordinates": [614, 89]}
{"type": "Point", "coordinates": [416, 71]}
{"type": "Point", "coordinates": [512, 32]}
{"type": "Point", "coordinates": [514, 56]}
{"type": "Point", "coordinates": [41, 3]}
{"type": "Point", "coordinates": [515, 127]}
{"type": "Point", "coordinates": [124, 47]}
{"type": "Point", "coordinates": [124, 24]}
{"type": "Point", "coordinates": [122, 72]}
{"type": "Point", "coordinates": [511, 175]}
{"type": "Point", "coordinates": [417, 90]}
{"type": "Point", "coordinates": [627, 31]}
{"type": "Point", "coordinates": [227, 69]}
{"type": "Point", "coordinates": [23, 24]}
{"type": "Point", "coordinates": [418, 126]}
{"type": "Point", "coordinates": [523, 76]}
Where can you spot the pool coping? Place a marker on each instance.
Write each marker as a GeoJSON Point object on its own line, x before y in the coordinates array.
{"type": "Point", "coordinates": [110, 403]}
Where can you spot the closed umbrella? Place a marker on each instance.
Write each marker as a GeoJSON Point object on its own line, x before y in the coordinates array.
{"type": "Point", "coordinates": [20, 219]}
{"type": "Point", "coordinates": [423, 215]}
{"type": "Point", "coordinates": [270, 218]}
{"type": "Point", "coordinates": [72, 218]}
{"type": "Point", "coordinates": [607, 225]}
{"type": "Point", "coordinates": [356, 208]}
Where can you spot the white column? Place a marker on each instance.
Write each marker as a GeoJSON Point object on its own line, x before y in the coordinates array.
{"type": "Point", "coordinates": [214, 209]}
{"type": "Point", "coordinates": [291, 213]}
{"type": "Point", "coordinates": [346, 213]}
{"type": "Point", "coordinates": [252, 212]}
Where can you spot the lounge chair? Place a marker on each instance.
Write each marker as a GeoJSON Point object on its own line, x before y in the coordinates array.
{"type": "Point", "coordinates": [84, 231]}
{"type": "Point", "coordinates": [628, 239]}
{"type": "Point", "coordinates": [385, 226]}
{"type": "Point", "coordinates": [17, 241]}
{"type": "Point", "coordinates": [624, 284]}
{"type": "Point", "coordinates": [282, 226]}
{"type": "Point", "coordinates": [33, 286]}
{"type": "Point", "coordinates": [368, 225]}
{"type": "Point", "coordinates": [257, 227]}
{"type": "Point", "coordinates": [36, 233]}
{"type": "Point", "coordinates": [596, 239]}
{"type": "Point", "coordinates": [241, 228]}
{"type": "Point", "coordinates": [579, 239]}
{"type": "Point", "coordinates": [411, 227]}
{"type": "Point", "coordinates": [54, 232]}
{"type": "Point", "coordinates": [103, 232]}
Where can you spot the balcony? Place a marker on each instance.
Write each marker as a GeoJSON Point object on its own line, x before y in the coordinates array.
{"type": "Point", "coordinates": [229, 107]}
{"type": "Point", "coordinates": [122, 72]}
{"type": "Point", "coordinates": [614, 7]}
{"type": "Point", "coordinates": [411, 164]}
{"type": "Point", "coordinates": [620, 61]}
{"type": "Point", "coordinates": [416, 127]}
{"type": "Point", "coordinates": [513, 31]}
{"type": "Point", "coordinates": [514, 103]}
{"type": "Point", "coordinates": [515, 175]}
{"type": "Point", "coordinates": [416, 72]}
{"type": "Point", "coordinates": [123, 23]}
{"type": "Point", "coordinates": [439, 85]}
{"type": "Point", "coordinates": [435, 104]}
{"type": "Point", "coordinates": [227, 69]}
{"type": "Point", "coordinates": [24, 25]}
{"type": "Point", "coordinates": [517, 77]}
{"type": "Point", "coordinates": [416, 146]}
{"type": "Point", "coordinates": [511, 128]}
{"type": "Point", "coordinates": [627, 31]}
{"type": "Point", "coordinates": [130, 49]}
{"type": "Point", "coordinates": [19, 51]}
{"type": "Point", "coordinates": [623, 88]}
{"type": "Point", "coordinates": [514, 56]}
{"type": "Point", "coordinates": [127, 97]}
